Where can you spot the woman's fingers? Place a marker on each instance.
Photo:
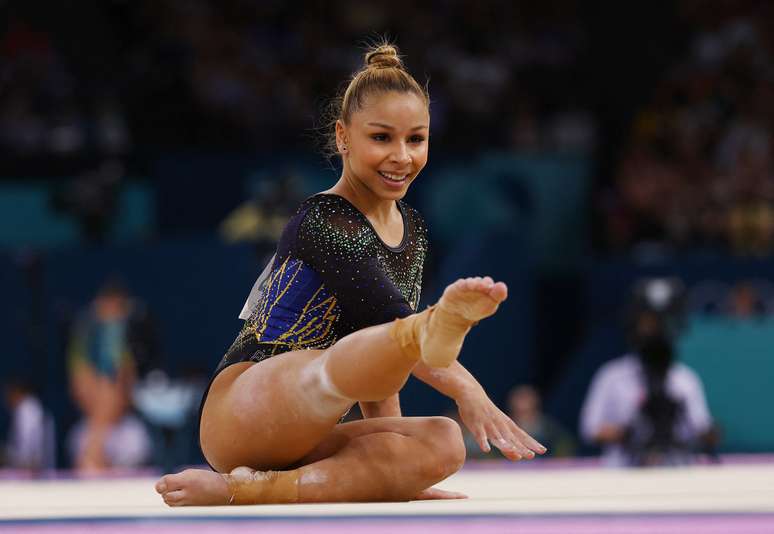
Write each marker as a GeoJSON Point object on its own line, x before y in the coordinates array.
{"type": "Point", "coordinates": [490, 425]}
{"type": "Point", "coordinates": [523, 450]}
{"type": "Point", "coordinates": [508, 450]}
{"type": "Point", "coordinates": [499, 440]}
{"type": "Point", "coordinates": [526, 439]}
{"type": "Point", "coordinates": [513, 441]}
{"type": "Point", "coordinates": [514, 450]}
{"type": "Point", "coordinates": [509, 443]}
{"type": "Point", "coordinates": [481, 439]}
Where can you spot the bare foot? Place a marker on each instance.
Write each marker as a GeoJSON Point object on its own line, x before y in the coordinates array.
{"type": "Point", "coordinates": [194, 487]}
{"type": "Point", "coordinates": [473, 298]}
{"type": "Point", "coordinates": [462, 304]}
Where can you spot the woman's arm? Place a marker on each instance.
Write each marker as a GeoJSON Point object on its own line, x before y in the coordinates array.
{"type": "Point", "coordinates": [389, 407]}
{"type": "Point", "coordinates": [454, 381]}
{"type": "Point", "coordinates": [485, 421]}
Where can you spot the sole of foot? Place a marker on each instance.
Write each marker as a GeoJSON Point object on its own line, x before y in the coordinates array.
{"type": "Point", "coordinates": [474, 298]}
{"type": "Point", "coordinates": [462, 304]}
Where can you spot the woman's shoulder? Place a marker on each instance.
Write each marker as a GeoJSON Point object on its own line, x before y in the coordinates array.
{"type": "Point", "coordinates": [417, 221]}
{"type": "Point", "coordinates": [328, 206]}
{"type": "Point", "coordinates": [317, 208]}
{"type": "Point", "coordinates": [330, 221]}
{"type": "Point", "coordinates": [411, 211]}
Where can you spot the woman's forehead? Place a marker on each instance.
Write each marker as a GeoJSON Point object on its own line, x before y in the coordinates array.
{"type": "Point", "coordinates": [394, 109]}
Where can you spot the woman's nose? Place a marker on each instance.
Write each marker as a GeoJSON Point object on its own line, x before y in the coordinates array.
{"type": "Point", "coordinates": [401, 154]}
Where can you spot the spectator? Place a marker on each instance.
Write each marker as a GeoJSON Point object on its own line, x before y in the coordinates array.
{"type": "Point", "coordinates": [31, 443]}
{"type": "Point", "coordinates": [110, 344]}
{"type": "Point", "coordinates": [644, 408]}
{"type": "Point", "coordinates": [524, 406]}
{"type": "Point", "coordinates": [698, 167]}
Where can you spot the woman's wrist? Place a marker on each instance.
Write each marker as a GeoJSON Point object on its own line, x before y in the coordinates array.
{"type": "Point", "coordinates": [454, 381]}
{"type": "Point", "coordinates": [468, 391]}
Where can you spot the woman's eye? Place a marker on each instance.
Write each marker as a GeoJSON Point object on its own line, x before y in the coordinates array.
{"type": "Point", "coordinates": [417, 138]}
{"type": "Point", "coordinates": [379, 137]}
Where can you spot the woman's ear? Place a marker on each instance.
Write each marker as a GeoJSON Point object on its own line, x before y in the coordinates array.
{"type": "Point", "coordinates": [341, 137]}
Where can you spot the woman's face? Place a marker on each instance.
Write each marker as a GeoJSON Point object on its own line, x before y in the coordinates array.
{"type": "Point", "coordinates": [385, 144]}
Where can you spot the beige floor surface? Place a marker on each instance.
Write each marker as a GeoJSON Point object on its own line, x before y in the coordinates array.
{"type": "Point", "coordinates": [701, 489]}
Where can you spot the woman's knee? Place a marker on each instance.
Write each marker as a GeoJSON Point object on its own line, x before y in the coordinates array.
{"type": "Point", "coordinates": [444, 436]}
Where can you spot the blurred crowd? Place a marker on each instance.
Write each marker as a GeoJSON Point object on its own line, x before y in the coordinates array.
{"type": "Point", "coordinates": [698, 167]}
{"type": "Point", "coordinates": [248, 74]}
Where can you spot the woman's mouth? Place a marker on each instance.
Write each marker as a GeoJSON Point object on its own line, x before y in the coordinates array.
{"type": "Point", "coordinates": [393, 179]}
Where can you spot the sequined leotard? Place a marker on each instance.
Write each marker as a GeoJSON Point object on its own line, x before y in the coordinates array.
{"type": "Point", "coordinates": [331, 275]}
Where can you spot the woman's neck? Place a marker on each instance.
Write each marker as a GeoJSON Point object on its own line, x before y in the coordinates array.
{"type": "Point", "coordinates": [377, 210]}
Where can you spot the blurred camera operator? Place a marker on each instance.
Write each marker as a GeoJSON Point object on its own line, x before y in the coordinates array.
{"type": "Point", "coordinates": [644, 408]}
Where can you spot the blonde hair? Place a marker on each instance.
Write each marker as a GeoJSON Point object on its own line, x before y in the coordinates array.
{"type": "Point", "coordinates": [383, 72]}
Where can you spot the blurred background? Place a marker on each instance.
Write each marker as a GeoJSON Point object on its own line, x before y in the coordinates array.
{"type": "Point", "coordinates": [615, 166]}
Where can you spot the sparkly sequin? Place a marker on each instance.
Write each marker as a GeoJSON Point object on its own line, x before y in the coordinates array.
{"type": "Point", "coordinates": [332, 275]}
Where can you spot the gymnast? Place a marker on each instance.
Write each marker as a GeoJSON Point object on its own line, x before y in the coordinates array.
{"type": "Point", "coordinates": [333, 322]}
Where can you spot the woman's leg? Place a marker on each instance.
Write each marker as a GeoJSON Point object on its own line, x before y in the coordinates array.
{"type": "Point", "coordinates": [382, 459]}
{"type": "Point", "coordinates": [270, 415]}
{"type": "Point", "coordinates": [103, 402]}
{"type": "Point", "coordinates": [273, 414]}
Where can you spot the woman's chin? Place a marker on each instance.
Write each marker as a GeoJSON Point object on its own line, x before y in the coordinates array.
{"type": "Point", "coordinates": [393, 190]}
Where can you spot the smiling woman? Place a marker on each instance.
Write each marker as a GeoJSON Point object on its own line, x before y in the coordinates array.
{"type": "Point", "coordinates": [382, 127]}
{"type": "Point", "coordinates": [333, 322]}
{"type": "Point", "coordinates": [384, 145]}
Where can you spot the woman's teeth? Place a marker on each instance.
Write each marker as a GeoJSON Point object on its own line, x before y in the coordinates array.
{"type": "Point", "coordinates": [393, 177]}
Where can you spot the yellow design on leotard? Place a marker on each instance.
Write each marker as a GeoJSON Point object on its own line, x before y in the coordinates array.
{"type": "Point", "coordinates": [315, 321]}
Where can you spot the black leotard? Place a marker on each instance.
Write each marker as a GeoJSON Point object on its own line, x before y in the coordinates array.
{"type": "Point", "coordinates": [331, 275]}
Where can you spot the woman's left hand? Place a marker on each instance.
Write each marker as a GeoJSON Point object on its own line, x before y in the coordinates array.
{"type": "Point", "coordinates": [489, 424]}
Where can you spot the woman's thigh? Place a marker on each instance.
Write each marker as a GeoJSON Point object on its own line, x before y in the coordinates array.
{"type": "Point", "coordinates": [101, 398]}
{"type": "Point", "coordinates": [268, 415]}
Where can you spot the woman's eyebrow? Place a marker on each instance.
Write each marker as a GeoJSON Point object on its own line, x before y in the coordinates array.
{"type": "Point", "coordinates": [388, 127]}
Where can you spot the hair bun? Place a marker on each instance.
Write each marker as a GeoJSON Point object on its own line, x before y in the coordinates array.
{"type": "Point", "coordinates": [384, 57]}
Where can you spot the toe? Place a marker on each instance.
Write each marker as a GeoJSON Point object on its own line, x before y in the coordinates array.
{"type": "Point", "coordinates": [499, 291]}
{"type": "Point", "coordinates": [175, 498]}
{"type": "Point", "coordinates": [170, 482]}
{"type": "Point", "coordinates": [161, 485]}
